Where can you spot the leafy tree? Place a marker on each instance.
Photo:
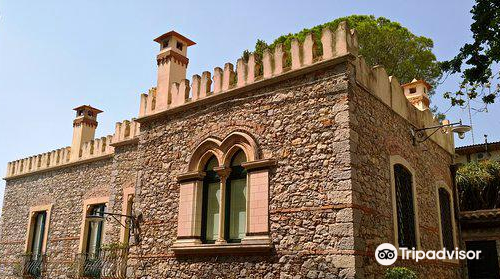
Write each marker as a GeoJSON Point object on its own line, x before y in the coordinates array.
{"type": "Point", "coordinates": [480, 56]}
{"type": "Point", "coordinates": [382, 42]}
{"type": "Point", "coordinates": [478, 185]}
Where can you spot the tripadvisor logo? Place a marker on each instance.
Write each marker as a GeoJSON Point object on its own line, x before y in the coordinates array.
{"type": "Point", "coordinates": [387, 254]}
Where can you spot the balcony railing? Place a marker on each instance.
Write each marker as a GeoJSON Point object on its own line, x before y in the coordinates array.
{"type": "Point", "coordinates": [109, 264]}
{"type": "Point", "coordinates": [33, 265]}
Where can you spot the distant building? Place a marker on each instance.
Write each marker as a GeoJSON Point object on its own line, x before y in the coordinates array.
{"type": "Point", "coordinates": [478, 152]}
{"type": "Point", "coordinates": [481, 228]}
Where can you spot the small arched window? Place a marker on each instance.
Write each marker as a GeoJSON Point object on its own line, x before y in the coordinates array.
{"type": "Point", "coordinates": [446, 219]}
{"type": "Point", "coordinates": [236, 203]}
{"type": "Point", "coordinates": [210, 203]}
{"type": "Point", "coordinates": [404, 207]}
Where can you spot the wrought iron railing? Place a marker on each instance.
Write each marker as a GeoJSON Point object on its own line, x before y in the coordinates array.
{"type": "Point", "coordinates": [109, 264]}
{"type": "Point", "coordinates": [33, 265]}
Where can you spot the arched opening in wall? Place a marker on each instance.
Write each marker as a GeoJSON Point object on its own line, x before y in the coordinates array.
{"type": "Point", "coordinates": [210, 202]}
{"type": "Point", "coordinates": [236, 199]}
{"type": "Point", "coordinates": [224, 196]}
{"type": "Point", "coordinates": [446, 219]}
{"type": "Point", "coordinates": [405, 210]}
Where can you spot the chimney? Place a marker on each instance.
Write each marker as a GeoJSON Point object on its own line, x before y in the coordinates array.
{"type": "Point", "coordinates": [84, 127]}
{"type": "Point", "coordinates": [172, 64]}
{"type": "Point", "coordinates": [416, 92]}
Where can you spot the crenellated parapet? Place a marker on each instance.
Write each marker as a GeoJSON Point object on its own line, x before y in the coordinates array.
{"type": "Point", "coordinates": [126, 132]}
{"type": "Point", "coordinates": [96, 148]}
{"type": "Point", "coordinates": [39, 162]}
{"type": "Point", "coordinates": [173, 92]}
{"type": "Point", "coordinates": [247, 72]}
{"type": "Point", "coordinates": [335, 44]}
{"type": "Point", "coordinates": [91, 150]}
{"type": "Point", "coordinates": [411, 105]}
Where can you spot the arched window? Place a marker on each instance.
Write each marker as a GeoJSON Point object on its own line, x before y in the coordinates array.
{"type": "Point", "coordinates": [404, 207]}
{"type": "Point", "coordinates": [224, 196]}
{"type": "Point", "coordinates": [446, 219]}
{"type": "Point", "coordinates": [210, 203]}
{"type": "Point", "coordinates": [236, 199]}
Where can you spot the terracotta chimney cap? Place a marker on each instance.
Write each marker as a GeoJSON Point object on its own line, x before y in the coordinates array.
{"type": "Point", "coordinates": [88, 107]}
{"type": "Point", "coordinates": [174, 34]}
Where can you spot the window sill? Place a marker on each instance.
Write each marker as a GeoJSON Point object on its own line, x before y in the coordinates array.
{"type": "Point", "coordinates": [247, 246]}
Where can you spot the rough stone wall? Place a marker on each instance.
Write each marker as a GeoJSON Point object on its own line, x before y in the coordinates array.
{"type": "Point", "coordinates": [330, 197]}
{"type": "Point", "coordinates": [303, 124]}
{"type": "Point", "coordinates": [65, 188]}
{"type": "Point", "coordinates": [377, 133]}
{"type": "Point", "coordinates": [123, 175]}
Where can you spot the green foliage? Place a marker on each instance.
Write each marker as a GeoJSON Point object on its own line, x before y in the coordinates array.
{"type": "Point", "coordinates": [479, 56]}
{"type": "Point", "coordinates": [437, 114]}
{"type": "Point", "coordinates": [479, 185]}
{"type": "Point", "coordinates": [400, 273]}
{"type": "Point", "coordinates": [382, 42]}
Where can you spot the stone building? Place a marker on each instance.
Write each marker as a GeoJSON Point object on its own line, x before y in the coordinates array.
{"type": "Point", "coordinates": [295, 165]}
{"type": "Point", "coordinates": [481, 228]}
{"type": "Point", "coordinates": [478, 152]}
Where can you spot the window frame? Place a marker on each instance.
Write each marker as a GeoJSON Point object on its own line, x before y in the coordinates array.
{"type": "Point", "coordinates": [100, 229]}
{"type": "Point", "coordinates": [31, 227]}
{"type": "Point", "coordinates": [257, 236]}
{"type": "Point", "coordinates": [395, 160]}
{"type": "Point", "coordinates": [241, 174]}
{"type": "Point", "coordinates": [210, 177]}
{"type": "Point", "coordinates": [127, 208]}
{"type": "Point", "coordinates": [442, 185]}
{"type": "Point", "coordinates": [87, 205]}
{"type": "Point", "coordinates": [35, 227]}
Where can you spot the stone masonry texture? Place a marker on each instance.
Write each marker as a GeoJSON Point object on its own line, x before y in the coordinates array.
{"type": "Point", "coordinates": [330, 192]}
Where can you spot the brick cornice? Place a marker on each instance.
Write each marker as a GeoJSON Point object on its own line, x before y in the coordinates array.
{"type": "Point", "coordinates": [87, 121]}
{"type": "Point", "coordinates": [169, 54]}
{"type": "Point", "coordinates": [69, 238]}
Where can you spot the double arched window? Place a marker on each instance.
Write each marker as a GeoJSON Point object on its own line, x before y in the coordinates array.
{"type": "Point", "coordinates": [224, 195]}
{"type": "Point", "coordinates": [226, 211]}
